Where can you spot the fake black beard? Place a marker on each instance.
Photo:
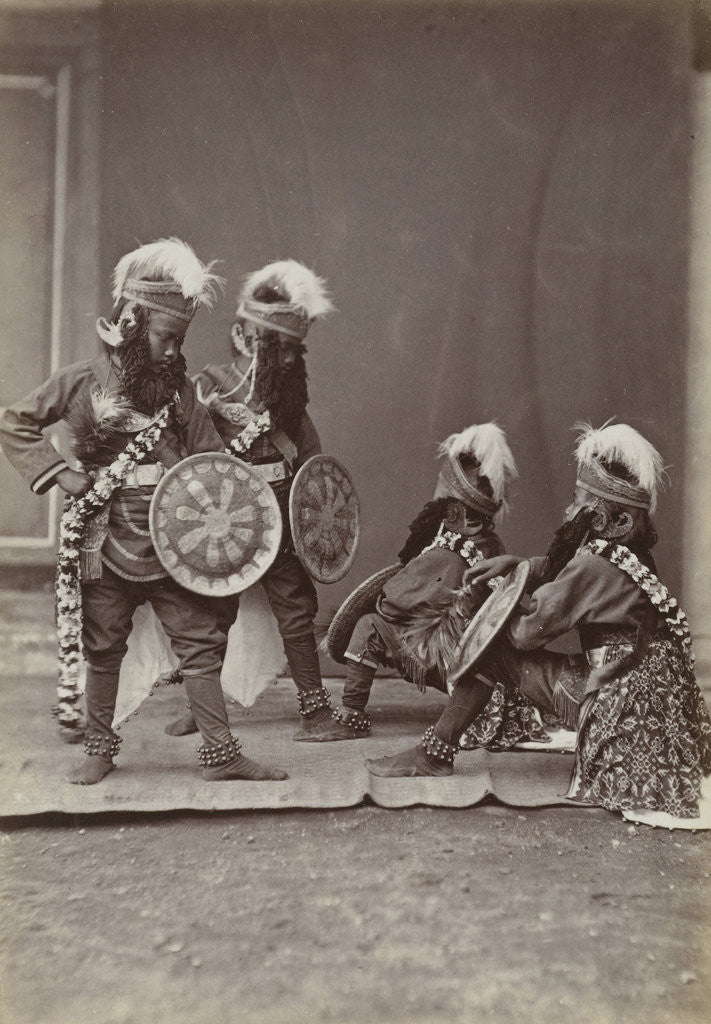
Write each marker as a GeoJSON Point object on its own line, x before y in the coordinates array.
{"type": "Point", "coordinates": [424, 526]}
{"type": "Point", "coordinates": [566, 541]}
{"type": "Point", "coordinates": [283, 392]}
{"type": "Point", "coordinates": [146, 386]}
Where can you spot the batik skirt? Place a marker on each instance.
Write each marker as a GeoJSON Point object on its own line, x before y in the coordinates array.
{"type": "Point", "coordinates": [508, 718]}
{"type": "Point", "coordinates": [644, 738]}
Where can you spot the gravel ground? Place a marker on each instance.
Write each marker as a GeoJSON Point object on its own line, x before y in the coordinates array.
{"type": "Point", "coordinates": [359, 916]}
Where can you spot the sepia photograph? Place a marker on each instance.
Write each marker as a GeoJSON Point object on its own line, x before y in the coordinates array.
{"type": "Point", "coordinates": [355, 544]}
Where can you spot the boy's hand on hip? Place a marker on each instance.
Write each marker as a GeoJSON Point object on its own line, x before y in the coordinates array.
{"type": "Point", "coordinates": [73, 482]}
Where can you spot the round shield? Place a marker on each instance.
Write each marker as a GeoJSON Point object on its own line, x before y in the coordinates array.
{"type": "Point", "coordinates": [215, 524]}
{"type": "Point", "coordinates": [324, 513]}
{"type": "Point", "coordinates": [488, 621]}
{"type": "Point", "coordinates": [362, 600]}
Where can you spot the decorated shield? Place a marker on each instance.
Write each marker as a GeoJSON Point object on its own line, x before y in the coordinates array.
{"type": "Point", "coordinates": [324, 513]}
{"type": "Point", "coordinates": [362, 600]}
{"type": "Point", "coordinates": [488, 622]}
{"type": "Point", "coordinates": [215, 524]}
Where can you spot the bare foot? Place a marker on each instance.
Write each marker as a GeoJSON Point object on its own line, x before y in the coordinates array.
{"type": "Point", "coordinates": [327, 731]}
{"type": "Point", "coordinates": [410, 763]}
{"type": "Point", "coordinates": [184, 726]}
{"type": "Point", "coordinates": [244, 768]}
{"type": "Point", "coordinates": [92, 770]}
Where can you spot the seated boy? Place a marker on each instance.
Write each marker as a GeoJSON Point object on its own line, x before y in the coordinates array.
{"type": "Point", "coordinates": [644, 734]}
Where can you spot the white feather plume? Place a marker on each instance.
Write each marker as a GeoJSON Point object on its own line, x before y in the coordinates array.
{"type": "Point", "coordinates": [618, 442]}
{"type": "Point", "coordinates": [169, 259]}
{"type": "Point", "coordinates": [300, 287]}
{"type": "Point", "coordinates": [109, 408]}
{"type": "Point", "coordinates": [486, 442]}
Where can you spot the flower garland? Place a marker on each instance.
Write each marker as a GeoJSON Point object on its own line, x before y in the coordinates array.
{"type": "Point", "coordinates": [467, 549]}
{"type": "Point", "coordinates": [675, 619]}
{"type": "Point", "coordinates": [244, 441]}
{"type": "Point", "coordinates": [67, 588]}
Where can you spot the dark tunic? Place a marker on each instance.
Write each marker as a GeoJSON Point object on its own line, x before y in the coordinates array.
{"type": "Point", "coordinates": [66, 396]}
{"type": "Point", "coordinates": [290, 591]}
{"type": "Point", "coordinates": [644, 734]}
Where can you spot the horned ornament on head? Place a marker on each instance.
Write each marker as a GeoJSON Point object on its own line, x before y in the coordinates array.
{"type": "Point", "coordinates": [617, 464]}
{"type": "Point", "coordinates": [284, 296]}
{"type": "Point", "coordinates": [478, 467]}
{"type": "Point", "coordinates": [165, 276]}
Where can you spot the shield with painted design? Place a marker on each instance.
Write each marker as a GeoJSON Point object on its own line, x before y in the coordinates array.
{"type": "Point", "coordinates": [324, 514]}
{"type": "Point", "coordinates": [363, 599]}
{"type": "Point", "coordinates": [488, 621]}
{"type": "Point", "coordinates": [215, 524]}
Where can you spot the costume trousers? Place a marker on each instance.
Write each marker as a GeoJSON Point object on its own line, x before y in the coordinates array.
{"type": "Point", "coordinates": [536, 674]}
{"type": "Point", "coordinates": [542, 676]}
{"type": "Point", "coordinates": [467, 700]}
{"type": "Point", "coordinates": [366, 650]}
{"type": "Point", "coordinates": [189, 623]}
{"type": "Point", "coordinates": [375, 641]}
{"type": "Point", "coordinates": [292, 598]}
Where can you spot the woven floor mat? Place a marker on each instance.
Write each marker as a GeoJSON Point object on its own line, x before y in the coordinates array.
{"type": "Point", "coordinates": [156, 772]}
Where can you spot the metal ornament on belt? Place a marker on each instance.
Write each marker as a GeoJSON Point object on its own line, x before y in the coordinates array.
{"type": "Point", "coordinates": [215, 524]}
{"type": "Point", "coordinates": [488, 622]}
{"type": "Point", "coordinates": [324, 513]}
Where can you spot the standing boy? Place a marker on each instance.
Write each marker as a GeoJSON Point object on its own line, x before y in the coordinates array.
{"type": "Point", "coordinates": [258, 405]}
{"type": "Point", "coordinates": [134, 414]}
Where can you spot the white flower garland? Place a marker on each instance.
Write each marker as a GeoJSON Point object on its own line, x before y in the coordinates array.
{"type": "Point", "coordinates": [675, 619]}
{"type": "Point", "coordinates": [467, 549]}
{"type": "Point", "coordinates": [244, 441]}
{"type": "Point", "coordinates": [67, 585]}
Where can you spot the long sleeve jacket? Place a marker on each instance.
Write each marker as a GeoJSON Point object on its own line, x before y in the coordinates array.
{"type": "Point", "coordinates": [589, 592]}
{"type": "Point", "coordinates": [430, 579]}
{"type": "Point", "coordinates": [419, 612]}
{"type": "Point", "coordinates": [66, 395]}
{"type": "Point", "coordinates": [295, 449]}
{"type": "Point", "coordinates": [123, 537]}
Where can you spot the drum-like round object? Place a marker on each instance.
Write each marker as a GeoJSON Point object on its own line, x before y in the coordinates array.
{"type": "Point", "coordinates": [215, 524]}
{"type": "Point", "coordinates": [488, 622]}
{"type": "Point", "coordinates": [324, 514]}
{"type": "Point", "coordinates": [363, 599]}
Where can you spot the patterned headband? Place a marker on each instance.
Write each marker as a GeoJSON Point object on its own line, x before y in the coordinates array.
{"type": "Point", "coordinates": [281, 316]}
{"type": "Point", "coordinates": [595, 479]}
{"type": "Point", "coordinates": [462, 486]}
{"type": "Point", "coordinates": [162, 296]}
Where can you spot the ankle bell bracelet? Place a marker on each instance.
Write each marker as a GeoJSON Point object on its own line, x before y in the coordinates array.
{"type": "Point", "coordinates": [357, 720]}
{"type": "Point", "coordinates": [312, 700]}
{"type": "Point", "coordinates": [99, 745]}
{"type": "Point", "coordinates": [437, 748]}
{"type": "Point", "coordinates": [218, 753]}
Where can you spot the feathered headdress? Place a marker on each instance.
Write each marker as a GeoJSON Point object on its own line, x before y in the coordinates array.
{"type": "Point", "coordinates": [285, 296]}
{"type": "Point", "coordinates": [486, 445]}
{"type": "Point", "coordinates": [167, 276]}
{"type": "Point", "coordinates": [597, 452]}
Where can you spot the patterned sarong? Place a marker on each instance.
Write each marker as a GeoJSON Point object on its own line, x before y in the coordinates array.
{"type": "Point", "coordinates": [644, 738]}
